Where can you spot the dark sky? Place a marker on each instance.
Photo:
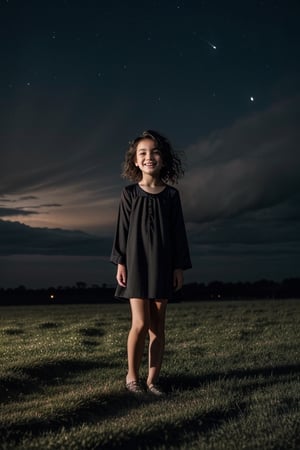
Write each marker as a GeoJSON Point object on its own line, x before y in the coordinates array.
{"type": "Point", "coordinates": [79, 79]}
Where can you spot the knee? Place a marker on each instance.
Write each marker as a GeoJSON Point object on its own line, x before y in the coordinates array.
{"type": "Point", "coordinates": [140, 327]}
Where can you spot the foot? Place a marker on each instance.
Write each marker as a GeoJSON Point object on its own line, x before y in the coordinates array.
{"type": "Point", "coordinates": [135, 387]}
{"type": "Point", "coordinates": [156, 390]}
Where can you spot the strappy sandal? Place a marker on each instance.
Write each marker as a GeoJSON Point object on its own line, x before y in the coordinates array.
{"type": "Point", "coordinates": [155, 389]}
{"type": "Point", "coordinates": [135, 387]}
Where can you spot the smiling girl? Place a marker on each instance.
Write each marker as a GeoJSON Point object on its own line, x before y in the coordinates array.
{"type": "Point", "coordinates": [150, 250]}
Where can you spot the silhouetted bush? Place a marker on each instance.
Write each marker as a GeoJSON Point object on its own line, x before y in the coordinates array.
{"type": "Point", "coordinates": [215, 290]}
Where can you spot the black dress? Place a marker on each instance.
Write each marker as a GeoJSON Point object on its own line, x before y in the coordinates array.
{"type": "Point", "coordinates": [150, 240]}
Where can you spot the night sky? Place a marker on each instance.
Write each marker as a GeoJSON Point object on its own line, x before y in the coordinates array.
{"type": "Point", "coordinates": [79, 79]}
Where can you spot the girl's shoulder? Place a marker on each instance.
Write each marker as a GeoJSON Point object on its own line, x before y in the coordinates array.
{"type": "Point", "coordinates": [130, 189]}
{"type": "Point", "coordinates": [172, 190]}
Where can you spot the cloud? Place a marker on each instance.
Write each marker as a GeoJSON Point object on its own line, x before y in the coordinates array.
{"type": "Point", "coordinates": [20, 239]}
{"type": "Point", "coordinates": [6, 200]}
{"type": "Point", "coordinates": [45, 205]}
{"type": "Point", "coordinates": [49, 143]}
{"type": "Point", "coordinates": [6, 212]}
{"type": "Point", "coordinates": [252, 165]}
{"type": "Point", "coordinates": [29, 197]}
{"type": "Point", "coordinates": [49, 205]}
{"type": "Point", "coordinates": [25, 211]}
{"type": "Point", "coordinates": [69, 171]}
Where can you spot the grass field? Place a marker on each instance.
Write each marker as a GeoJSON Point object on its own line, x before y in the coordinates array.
{"type": "Point", "coordinates": [231, 370]}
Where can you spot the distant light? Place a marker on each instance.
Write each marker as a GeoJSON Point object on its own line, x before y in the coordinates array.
{"type": "Point", "coordinates": [252, 99]}
{"type": "Point", "coordinates": [52, 296]}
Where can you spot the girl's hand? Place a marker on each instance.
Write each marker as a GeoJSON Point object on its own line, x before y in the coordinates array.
{"type": "Point", "coordinates": [121, 275]}
{"type": "Point", "coordinates": [177, 279]}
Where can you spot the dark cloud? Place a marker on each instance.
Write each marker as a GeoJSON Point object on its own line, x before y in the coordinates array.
{"type": "Point", "coordinates": [29, 197]}
{"type": "Point", "coordinates": [20, 239]}
{"type": "Point", "coordinates": [46, 205]}
{"type": "Point", "coordinates": [50, 205]}
{"type": "Point", "coordinates": [253, 164]}
{"type": "Point", "coordinates": [6, 200]}
{"type": "Point", "coordinates": [74, 152]}
{"type": "Point", "coordinates": [7, 212]}
{"type": "Point", "coordinates": [249, 229]}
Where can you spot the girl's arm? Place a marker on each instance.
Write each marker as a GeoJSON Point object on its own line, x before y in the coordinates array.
{"type": "Point", "coordinates": [118, 254]}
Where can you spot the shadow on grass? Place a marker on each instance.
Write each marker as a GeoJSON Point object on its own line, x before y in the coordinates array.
{"type": "Point", "coordinates": [91, 332]}
{"type": "Point", "coordinates": [13, 331]}
{"type": "Point", "coordinates": [120, 403]}
{"type": "Point", "coordinates": [175, 433]}
{"type": "Point", "coordinates": [28, 379]}
{"type": "Point", "coordinates": [108, 405]}
{"type": "Point", "coordinates": [48, 325]}
{"type": "Point", "coordinates": [181, 382]}
{"type": "Point", "coordinates": [90, 410]}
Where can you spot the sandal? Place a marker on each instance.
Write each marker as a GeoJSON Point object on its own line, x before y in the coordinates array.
{"type": "Point", "coordinates": [155, 390]}
{"type": "Point", "coordinates": [135, 387]}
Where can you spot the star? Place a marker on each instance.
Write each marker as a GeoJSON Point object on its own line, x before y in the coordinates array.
{"type": "Point", "coordinates": [252, 99]}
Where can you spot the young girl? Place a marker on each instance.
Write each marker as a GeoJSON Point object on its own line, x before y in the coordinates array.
{"type": "Point", "coordinates": [150, 250]}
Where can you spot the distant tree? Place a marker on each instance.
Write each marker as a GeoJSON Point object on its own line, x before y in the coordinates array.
{"type": "Point", "coordinates": [81, 285]}
{"type": "Point", "coordinates": [21, 288]}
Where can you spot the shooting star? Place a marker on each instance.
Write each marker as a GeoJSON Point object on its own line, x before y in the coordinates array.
{"type": "Point", "coordinates": [210, 44]}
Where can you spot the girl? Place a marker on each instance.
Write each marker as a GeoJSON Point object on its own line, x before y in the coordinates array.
{"type": "Point", "coordinates": [150, 250]}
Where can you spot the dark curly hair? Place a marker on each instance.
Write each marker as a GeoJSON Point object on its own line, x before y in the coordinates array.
{"type": "Point", "coordinates": [172, 169]}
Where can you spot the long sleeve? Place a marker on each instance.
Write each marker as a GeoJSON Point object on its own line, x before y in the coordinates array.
{"type": "Point", "coordinates": [118, 255]}
{"type": "Point", "coordinates": [181, 254]}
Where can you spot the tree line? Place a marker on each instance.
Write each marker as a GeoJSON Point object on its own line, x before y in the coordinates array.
{"type": "Point", "coordinates": [215, 290]}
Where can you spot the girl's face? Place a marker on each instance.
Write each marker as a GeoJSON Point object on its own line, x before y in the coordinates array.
{"type": "Point", "coordinates": [148, 158]}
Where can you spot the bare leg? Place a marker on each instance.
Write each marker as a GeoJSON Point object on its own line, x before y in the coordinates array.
{"type": "Point", "coordinates": [156, 338]}
{"type": "Point", "coordinates": [140, 315]}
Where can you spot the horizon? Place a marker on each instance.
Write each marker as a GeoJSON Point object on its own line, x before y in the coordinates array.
{"type": "Point", "coordinates": [82, 285]}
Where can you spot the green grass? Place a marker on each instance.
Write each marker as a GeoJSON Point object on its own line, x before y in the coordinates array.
{"type": "Point", "coordinates": [231, 370]}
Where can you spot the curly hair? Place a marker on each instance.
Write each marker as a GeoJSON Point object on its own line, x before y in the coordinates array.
{"type": "Point", "coordinates": [172, 168]}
